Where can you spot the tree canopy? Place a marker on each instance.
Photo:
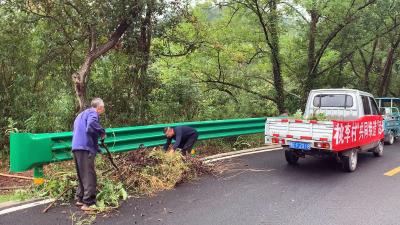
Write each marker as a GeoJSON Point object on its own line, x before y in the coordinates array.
{"type": "Point", "coordinates": [156, 61]}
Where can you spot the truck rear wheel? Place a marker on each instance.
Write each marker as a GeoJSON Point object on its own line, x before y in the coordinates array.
{"type": "Point", "coordinates": [349, 161]}
{"type": "Point", "coordinates": [378, 151]}
{"type": "Point", "coordinates": [390, 138]}
{"type": "Point", "coordinates": [291, 157]}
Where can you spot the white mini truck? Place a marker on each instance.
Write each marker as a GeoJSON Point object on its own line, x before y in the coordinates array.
{"type": "Point", "coordinates": [353, 124]}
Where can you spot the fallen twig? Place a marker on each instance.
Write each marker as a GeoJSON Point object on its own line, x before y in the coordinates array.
{"type": "Point", "coordinates": [16, 176]}
{"type": "Point", "coordinates": [245, 170]}
{"type": "Point", "coordinates": [253, 170]}
{"type": "Point", "coordinates": [58, 197]}
{"type": "Point", "coordinates": [107, 171]}
{"type": "Point", "coordinates": [230, 177]}
{"type": "Point", "coordinates": [12, 188]}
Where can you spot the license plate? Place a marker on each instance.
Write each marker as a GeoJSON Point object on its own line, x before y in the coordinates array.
{"type": "Point", "coordinates": [300, 145]}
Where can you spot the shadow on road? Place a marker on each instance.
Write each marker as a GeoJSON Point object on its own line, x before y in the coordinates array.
{"type": "Point", "coordinates": [325, 167]}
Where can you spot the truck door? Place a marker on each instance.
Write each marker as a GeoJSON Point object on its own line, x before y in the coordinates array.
{"type": "Point", "coordinates": [370, 108]}
{"type": "Point", "coordinates": [374, 107]}
{"type": "Point", "coordinates": [366, 105]}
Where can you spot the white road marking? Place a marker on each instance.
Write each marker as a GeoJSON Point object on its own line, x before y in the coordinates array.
{"type": "Point", "coordinates": [242, 154]}
{"type": "Point", "coordinates": [25, 206]}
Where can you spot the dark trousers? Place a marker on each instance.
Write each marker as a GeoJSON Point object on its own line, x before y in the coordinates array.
{"type": "Point", "coordinates": [188, 144]}
{"type": "Point", "coordinates": [87, 181]}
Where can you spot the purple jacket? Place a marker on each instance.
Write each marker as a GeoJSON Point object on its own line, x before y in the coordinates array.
{"type": "Point", "coordinates": [87, 130]}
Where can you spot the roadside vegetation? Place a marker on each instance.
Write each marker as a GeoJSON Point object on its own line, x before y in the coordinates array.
{"type": "Point", "coordinates": [156, 61]}
{"type": "Point", "coordinates": [189, 61]}
{"type": "Point", "coordinates": [143, 172]}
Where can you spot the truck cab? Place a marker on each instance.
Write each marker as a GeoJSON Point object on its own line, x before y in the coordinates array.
{"type": "Point", "coordinates": [337, 123]}
{"type": "Point", "coordinates": [340, 104]}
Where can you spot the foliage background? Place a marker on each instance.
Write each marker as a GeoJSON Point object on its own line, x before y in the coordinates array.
{"type": "Point", "coordinates": [206, 61]}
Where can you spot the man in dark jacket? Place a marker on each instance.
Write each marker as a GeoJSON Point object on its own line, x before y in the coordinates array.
{"type": "Point", "coordinates": [184, 137]}
{"type": "Point", "coordinates": [87, 130]}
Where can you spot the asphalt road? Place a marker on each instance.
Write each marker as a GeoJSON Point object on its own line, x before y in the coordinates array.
{"type": "Point", "coordinates": [261, 189]}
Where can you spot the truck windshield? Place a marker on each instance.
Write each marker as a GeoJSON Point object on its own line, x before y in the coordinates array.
{"type": "Point", "coordinates": [334, 100]}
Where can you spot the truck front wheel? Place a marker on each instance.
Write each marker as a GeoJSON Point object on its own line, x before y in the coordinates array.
{"type": "Point", "coordinates": [291, 157]}
{"type": "Point", "coordinates": [378, 151]}
{"type": "Point", "coordinates": [349, 160]}
{"type": "Point", "coordinates": [390, 138]}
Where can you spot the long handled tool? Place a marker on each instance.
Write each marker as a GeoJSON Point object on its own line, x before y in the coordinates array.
{"type": "Point", "coordinates": [109, 156]}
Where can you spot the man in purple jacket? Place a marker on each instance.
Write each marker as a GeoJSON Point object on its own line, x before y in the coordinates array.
{"type": "Point", "coordinates": [87, 130]}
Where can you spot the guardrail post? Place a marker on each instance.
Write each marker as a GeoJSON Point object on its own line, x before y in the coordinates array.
{"type": "Point", "coordinates": [38, 175]}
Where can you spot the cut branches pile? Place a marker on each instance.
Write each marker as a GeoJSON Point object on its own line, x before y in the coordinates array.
{"type": "Point", "coordinates": [145, 172]}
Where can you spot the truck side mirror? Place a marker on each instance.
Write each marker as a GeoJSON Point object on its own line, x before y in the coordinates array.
{"type": "Point", "coordinates": [382, 111]}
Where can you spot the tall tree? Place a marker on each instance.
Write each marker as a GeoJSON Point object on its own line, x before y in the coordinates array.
{"type": "Point", "coordinates": [90, 28]}
{"type": "Point", "coordinates": [314, 56]}
{"type": "Point", "coordinates": [268, 18]}
{"type": "Point", "coordinates": [387, 69]}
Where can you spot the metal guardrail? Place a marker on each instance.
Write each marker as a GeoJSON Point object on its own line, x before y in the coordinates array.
{"type": "Point", "coordinates": [32, 151]}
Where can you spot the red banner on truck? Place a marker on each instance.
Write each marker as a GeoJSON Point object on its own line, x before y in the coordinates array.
{"type": "Point", "coordinates": [355, 133]}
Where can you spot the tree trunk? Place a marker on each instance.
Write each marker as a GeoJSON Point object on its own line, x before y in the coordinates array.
{"type": "Point", "coordinates": [309, 85]}
{"type": "Point", "coordinates": [368, 65]}
{"type": "Point", "coordinates": [317, 55]}
{"type": "Point", "coordinates": [269, 28]}
{"type": "Point", "coordinates": [275, 58]}
{"type": "Point", "coordinates": [80, 77]}
{"type": "Point", "coordinates": [142, 85]}
{"type": "Point", "coordinates": [387, 69]}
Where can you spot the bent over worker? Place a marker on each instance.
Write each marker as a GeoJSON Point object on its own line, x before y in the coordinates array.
{"type": "Point", "coordinates": [184, 137]}
{"type": "Point", "coordinates": [87, 130]}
